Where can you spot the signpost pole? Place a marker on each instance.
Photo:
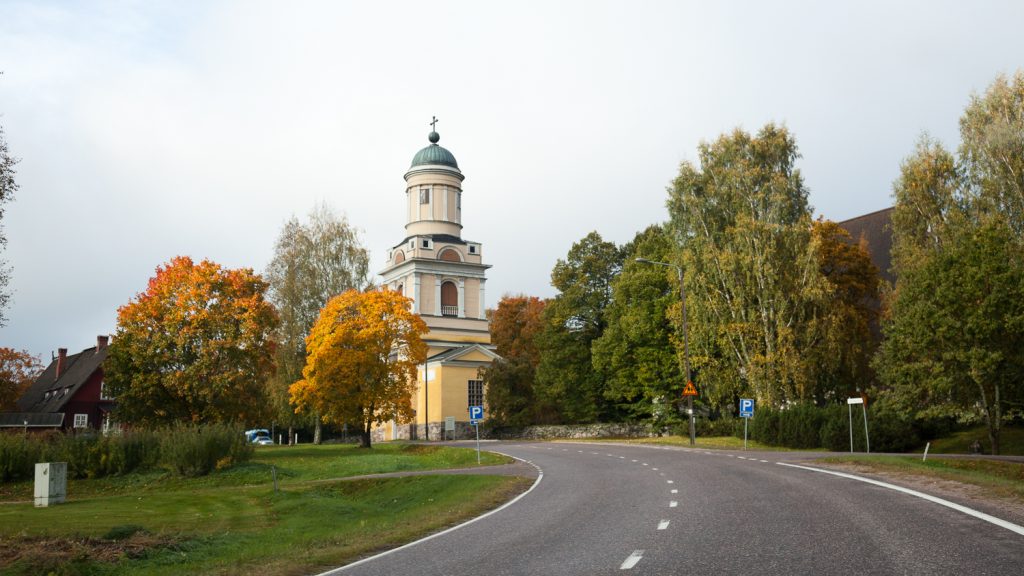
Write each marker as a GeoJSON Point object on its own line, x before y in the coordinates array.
{"type": "Point", "coordinates": [850, 410]}
{"type": "Point", "coordinates": [745, 421]}
{"type": "Point", "coordinates": [477, 426]}
{"type": "Point", "coordinates": [746, 412]}
{"type": "Point", "coordinates": [476, 414]}
{"type": "Point", "coordinates": [867, 441]}
{"type": "Point", "coordinates": [849, 405]}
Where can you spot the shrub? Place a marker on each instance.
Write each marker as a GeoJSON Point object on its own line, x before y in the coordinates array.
{"type": "Point", "coordinates": [18, 455]}
{"type": "Point", "coordinates": [800, 426]}
{"type": "Point", "coordinates": [835, 430]}
{"type": "Point", "coordinates": [726, 426]}
{"type": "Point", "coordinates": [136, 450]}
{"type": "Point", "coordinates": [764, 426]}
{"type": "Point", "coordinates": [191, 450]}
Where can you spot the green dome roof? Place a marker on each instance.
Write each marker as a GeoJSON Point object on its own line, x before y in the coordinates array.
{"type": "Point", "coordinates": [434, 154]}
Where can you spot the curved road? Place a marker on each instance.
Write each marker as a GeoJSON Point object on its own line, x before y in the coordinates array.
{"type": "Point", "coordinates": [622, 509]}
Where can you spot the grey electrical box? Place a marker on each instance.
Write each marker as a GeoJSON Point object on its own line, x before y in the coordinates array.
{"type": "Point", "coordinates": [51, 483]}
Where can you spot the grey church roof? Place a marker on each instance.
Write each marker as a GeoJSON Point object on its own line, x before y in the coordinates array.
{"type": "Point", "coordinates": [434, 154]}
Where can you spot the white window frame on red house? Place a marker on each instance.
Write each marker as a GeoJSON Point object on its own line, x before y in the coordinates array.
{"type": "Point", "coordinates": [81, 421]}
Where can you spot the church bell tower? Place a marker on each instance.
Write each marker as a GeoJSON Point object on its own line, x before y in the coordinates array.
{"type": "Point", "coordinates": [445, 277]}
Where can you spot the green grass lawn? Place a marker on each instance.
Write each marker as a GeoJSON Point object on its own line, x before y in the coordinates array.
{"type": "Point", "coordinates": [232, 522]}
{"type": "Point", "coordinates": [1011, 441]}
{"type": "Point", "coordinates": [995, 477]}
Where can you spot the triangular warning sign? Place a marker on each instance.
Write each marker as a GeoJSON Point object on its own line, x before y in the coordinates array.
{"type": "Point", "coordinates": [690, 389]}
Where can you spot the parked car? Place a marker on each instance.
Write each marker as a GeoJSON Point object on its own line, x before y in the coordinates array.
{"type": "Point", "coordinates": [260, 436]}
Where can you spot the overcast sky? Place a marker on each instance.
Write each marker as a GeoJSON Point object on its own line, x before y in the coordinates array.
{"type": "Point", "coordinates": [148, 130]}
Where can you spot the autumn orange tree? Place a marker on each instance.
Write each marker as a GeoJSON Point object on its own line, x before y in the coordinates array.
{"type": "Point", "coordinates": [361, 360]}
{"type": "Point", "coordinates": [515, 324]}
{"type": "Point", "coordinates": [17, 371]}
{"type": "Point", "coordinates": [196, 346]}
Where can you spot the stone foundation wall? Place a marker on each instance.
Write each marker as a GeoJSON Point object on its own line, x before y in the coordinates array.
{"type": "Point", "coordinates": [571, 431]}
{"type": "Point", "coordinates": [465, 431]}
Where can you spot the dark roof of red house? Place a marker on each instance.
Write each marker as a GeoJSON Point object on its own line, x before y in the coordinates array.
{"type": "Point", "coordinates": [31, 420]}
{"type": "Point", "coordinates": [876, 229]}
{"type": "Point", "coordinates": [50, 393]}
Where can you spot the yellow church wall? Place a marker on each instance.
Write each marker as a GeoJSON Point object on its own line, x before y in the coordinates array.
{"type": "Point", "coordinates": [432, 397]}
{"type": "Point", "coordinates": [427, 300]}
{"type": "Point", "coordinates": [455, 386]}
{"type": "Point", "coordinates": [447, 392]}
{"type": "Point", "coordinates": [472, 297]}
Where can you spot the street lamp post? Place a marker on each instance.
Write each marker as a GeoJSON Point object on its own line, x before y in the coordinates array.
{"type": "Point", "coordinates": [686, 342]}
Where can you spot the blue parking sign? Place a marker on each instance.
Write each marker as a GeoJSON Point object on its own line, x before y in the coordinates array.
{"type": "Point", "coordinates": [476, 413]}
{"type": "Point", "coordinates": [746, 407]}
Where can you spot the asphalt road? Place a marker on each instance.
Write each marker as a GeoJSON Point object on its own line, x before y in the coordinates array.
{"type": "Point", "coordinates": [616, 509]}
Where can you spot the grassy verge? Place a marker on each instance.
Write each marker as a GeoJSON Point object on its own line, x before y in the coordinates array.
{"type": "Point", "coordinates": [228, 524]}
{"type": "Point", "coordinates": [996, 478]}
{"type": "Point", "coordinates": [1011, 441]}
{"type": "Point", "coordinates": [292, 464]}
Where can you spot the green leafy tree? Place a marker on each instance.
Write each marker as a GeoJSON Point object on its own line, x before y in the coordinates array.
{"type": "Point", "coordinates": [956, 340]}
{"type": "Point", "coordinates": [953, 342]}
{"type": "Point", "coordinates": [743, 224]}
{"type": "Point", "coordinates": [992, 152]}
{"type": "Point", "coordinates": [568, 388]}
{"type": "Point", "coordinates": [196, 346]}
{"type": "Point", "coordinates": [8, 186]}
{"type": "Point", "coordinates": [313, 261]}
{"type": "Point", "coordinates": [636, 351]}
{"type": "Point", "coordinates": [515, 325]}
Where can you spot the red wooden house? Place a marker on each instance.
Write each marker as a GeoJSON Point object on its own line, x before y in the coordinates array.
{"type": "Point", "coordinates": [68, 395]}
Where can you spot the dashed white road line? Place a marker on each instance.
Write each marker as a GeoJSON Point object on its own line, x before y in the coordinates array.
{"type": "Point", "coordinates": [663, 524]}
{"type": "Point", "coordinates": [674, 491]}
{"type": "Point", "coordinates": [655, 469]}
{"type": "Point", "coordinates": [632, 560]}
{"type": "Point", "coordinates": [969, 511]}
{"type": "Point", "coordinates": [673, 504]}
{"type": "Point", "coordinates": [670, 482]}
{"type": "Point", "coordinates": [765, 461]}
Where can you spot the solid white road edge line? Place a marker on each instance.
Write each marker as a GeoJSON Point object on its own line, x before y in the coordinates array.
{"type": "Point", "coordinates": [969, 511]}
{"type": "Point", "coordinates": [632, 560]}
{"type": "Point", "coordinates": [540, 476]}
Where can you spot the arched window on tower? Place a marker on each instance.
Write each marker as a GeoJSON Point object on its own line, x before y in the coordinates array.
{"type": "Point", "coordinates": [399, 256]}
{"type": "Point", "coordinates": [450, 255]}
{"type": "Point", "coordinates": [449, 299]}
